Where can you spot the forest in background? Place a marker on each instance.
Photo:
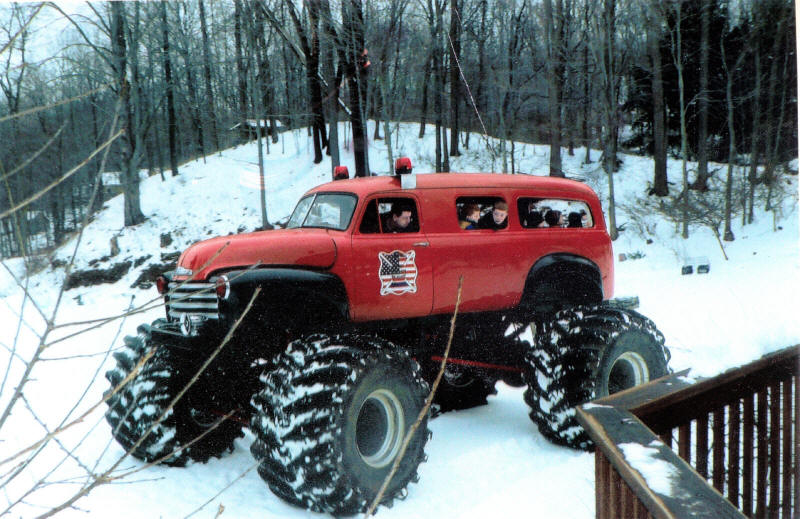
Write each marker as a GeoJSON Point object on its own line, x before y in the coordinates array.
{"type": "Point", "coordinates": [120, 87]}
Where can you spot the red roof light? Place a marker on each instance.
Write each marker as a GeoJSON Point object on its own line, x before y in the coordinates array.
{"type": "Point", "coordinates": [402, 166]}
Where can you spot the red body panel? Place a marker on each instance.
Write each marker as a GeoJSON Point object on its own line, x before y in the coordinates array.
{"type": "Point", "coordinates": [296, 247]}
{"type": "Point", "coordinates": [404, 275]}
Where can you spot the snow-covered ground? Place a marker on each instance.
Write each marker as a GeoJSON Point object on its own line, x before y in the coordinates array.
{"type": "Point", "coordinates": [484, 462]}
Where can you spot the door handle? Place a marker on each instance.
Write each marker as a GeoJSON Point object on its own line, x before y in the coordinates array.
{"type": "Point", "coordinates": [421, 244]}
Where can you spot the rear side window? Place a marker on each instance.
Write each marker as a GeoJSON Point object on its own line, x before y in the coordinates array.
{"type": "Point", "coordinates": [541, 213]}
{"type": "Point", "coordinates": [481, 212]}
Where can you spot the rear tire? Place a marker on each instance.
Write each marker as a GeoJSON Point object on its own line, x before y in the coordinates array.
{"type": "Point", "coordinates": [139, 413]}
{"type": "Point", "coordinates": [586, 353]}
{"type": "Point", "coordinates": [461, 387]}
{"type": "Point", "coordinates": [331, 418]}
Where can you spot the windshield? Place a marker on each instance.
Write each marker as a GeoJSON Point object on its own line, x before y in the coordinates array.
{"type": "Point", "coordinates": [326, 210]}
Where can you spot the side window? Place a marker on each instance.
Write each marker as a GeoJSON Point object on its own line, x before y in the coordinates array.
{"type": "Point", "coordinates": [390, 215]}
{"type": "Point", "coordinates": [537, 213]}
{"type": "Point", "coordinates": [482, 212]}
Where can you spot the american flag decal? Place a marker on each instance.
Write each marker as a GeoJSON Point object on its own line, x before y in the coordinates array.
{"type": "Point", "coordinates": [398, 272]}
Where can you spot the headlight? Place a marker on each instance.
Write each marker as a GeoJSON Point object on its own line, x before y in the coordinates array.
{"type": "Point", "coordinates": [223, 287]}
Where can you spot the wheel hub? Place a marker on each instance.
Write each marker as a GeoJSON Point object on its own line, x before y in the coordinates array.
{"type": "Point", "coordinates": [379, 428]}
{"type": "Point", "coordinates": [630, 369]}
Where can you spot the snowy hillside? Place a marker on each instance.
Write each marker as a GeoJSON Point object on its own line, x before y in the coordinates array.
{"type": "Point", "coordinates": [484, 462]}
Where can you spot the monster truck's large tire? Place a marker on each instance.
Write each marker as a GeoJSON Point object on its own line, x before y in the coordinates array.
{"type": "Point", "coordinates": [461, 387]}
{"type": "Point", "coordinates": [139, 416]}
{"type": "Point", "coordinates": [585, 353]}
{"type": "Point", "coordinates": [330, 420]}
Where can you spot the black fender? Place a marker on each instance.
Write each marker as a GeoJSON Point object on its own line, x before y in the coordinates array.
{"type": "Point", "coordinates": [286, 291]}
{"type": "Point", "coordinates": [562, 279]}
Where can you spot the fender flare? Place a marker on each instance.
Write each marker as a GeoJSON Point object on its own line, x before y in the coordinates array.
{"type": "Point", "coordinates": [562, 278]}
{"type": "Point", "coordinates": [285, 286]}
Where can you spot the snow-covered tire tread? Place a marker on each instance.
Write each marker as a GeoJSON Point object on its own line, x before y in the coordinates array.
{"type": "Point", "coordinates": [300, 416]}
{"type": "Point", "coordinates": [142, 405]}
{"type": "Point", "coordinates": [569, 359]}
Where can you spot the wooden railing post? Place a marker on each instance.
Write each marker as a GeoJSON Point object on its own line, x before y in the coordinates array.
{"type": "Point", "coordinates": [751, 415]}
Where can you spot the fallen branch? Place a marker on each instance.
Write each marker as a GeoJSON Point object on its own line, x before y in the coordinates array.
{"type": "Point", "coordinates": [423, 412]}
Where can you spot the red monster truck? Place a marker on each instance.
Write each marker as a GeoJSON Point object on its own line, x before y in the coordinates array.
{"type": "Point", "coordinates": [332, 363]}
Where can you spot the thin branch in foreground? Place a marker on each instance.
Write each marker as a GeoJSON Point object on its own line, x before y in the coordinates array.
{"type": "Point", "coordinates": [226, 487]}
{"type": "Point", "coordinates": [144, 307]}
{"type": "Point", "coordinates": [37, 109]}
{"type": "Point", "coordinates": [106, 476]}
{"type": "Point", "coordinates": [43, 339]}
{"type": "Point", "coordinates": [24, 290]}
{"type": "Point", "coordinates": [62, 178]}
{"type": "Point", "coordinates": [48, 437]}
{"type": "Point", "coordinates": [22, 29]}
{"type": "Point", "coordinates": [422, 413]}
{"type": "Point", "coordinates": [35, 154]}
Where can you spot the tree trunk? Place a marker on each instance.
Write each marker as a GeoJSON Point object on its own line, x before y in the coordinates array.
{"type": "Point", "coordinates": [191, 86]}
{"type": "Point", "coordinates": [728, 235]}
{"type": "Point", "coordinates": [660, 181]}
{"type": "Point", "coordinates": [554, 70]}
{"type": "Point", "coordinates": [455, 76]}
{"type": "Point", "coordinates": [587, 99]}
{"type": "Point", "coordinates": [210, 112]}
{"type": "Point", "coordinates": [480, 89]}
{"type": "Point", "coordinates": [777, 124]}
{"type": "Point", "coordinates": [755, 135]}
{"type": "Point", "coordinates": [97, 201]}
{"type": "Point", "coordinates": [310, 47]}
{"type": "Point", "coordinates": [423, 116]}
{"type": "Point", "coordinates": [334, 80]}
{"type": "Point", "coordinates": [701, 183]}
{"type": "Point", "coordinates": [677, 53]}
{"type": "Point", "coordinates": [607, 62]}
{"type": "Point", "coordinates": [128, 154]}
{"type": "Point", "coordinates": [240, 70]}
{"type": "Point", "coordinates": [357, 63]}
{"type": "Point", "coordinates": [171, 123]}
{"type": "Point", "coordinates": [772, 127]}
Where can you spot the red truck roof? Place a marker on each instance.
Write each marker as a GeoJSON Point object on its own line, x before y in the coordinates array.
{"type": "Point", "coordinates": [368, 185]}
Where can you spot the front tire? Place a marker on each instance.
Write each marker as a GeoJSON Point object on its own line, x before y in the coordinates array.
{"type": "Point", "coordinates": [139, 413]}
{"type": "Point", "coordinates": [331, 418]}
{"type": "Point", "coordinates": [586, 353]}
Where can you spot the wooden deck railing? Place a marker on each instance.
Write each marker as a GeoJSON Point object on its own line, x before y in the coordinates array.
{"type": "Point", "coordinates": [723, 447]}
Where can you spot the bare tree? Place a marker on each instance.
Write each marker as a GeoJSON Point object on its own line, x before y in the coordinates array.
{"type": "Point", "coordinates": [308, 37]}
{"type": "Point", "coordinates": [168, 79]}
{"type": "Point", "coordinates": [606, 58]}
{"type": "Point", "coordinates": [129, 98]}
{"type": "Point", "coordinates": [554, 27]}
{"type": "Point", "coordinates": [210, 111]}
{"type": "Point", "coordinates": [356, 65]}
{"type": "Point", "coordinates": [729, 77]}
{"type": "Point", "coordinates": [241, 72]}
{"type": "Point", "coordinates": [676, 37]}
{"type": "Point", "coordinates": [653, 21]}
{"type": "Point", "coordinates": [455, 75]}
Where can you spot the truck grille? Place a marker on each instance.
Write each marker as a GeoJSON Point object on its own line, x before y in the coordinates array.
{"type": "Point", "coordinates": [196, 299]}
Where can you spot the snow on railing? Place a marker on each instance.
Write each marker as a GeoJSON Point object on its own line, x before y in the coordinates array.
{"type": "Point", "coordinates": [654, 459]}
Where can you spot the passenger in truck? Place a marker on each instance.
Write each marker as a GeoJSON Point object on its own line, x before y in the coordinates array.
{"type": "Point", "coordinates": [497, 219]}
{"type": "Point", "coordinates": [398, 219]}
{"type": "Point", "coordinates": [470, 214]}
{"type": "Point", "coordinates": [554, 218]}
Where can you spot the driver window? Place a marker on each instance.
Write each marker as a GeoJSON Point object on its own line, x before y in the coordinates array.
{"type": "Point", "coordinates": [390, 215]}
{"type": "Point", "coordinates": [398, 215]}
